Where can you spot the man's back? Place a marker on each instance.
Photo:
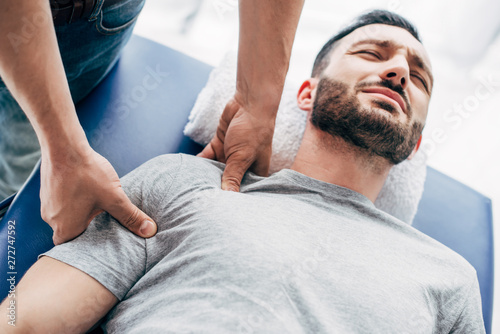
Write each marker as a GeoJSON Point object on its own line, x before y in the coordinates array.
{"type": "Point", "coordinates": [287, 254]}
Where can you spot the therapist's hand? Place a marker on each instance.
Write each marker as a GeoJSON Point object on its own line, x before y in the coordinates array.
{"type": "Point", "coordinates": [243, 141]}
{"type": "Point", "coordinates": [75, 187]}
{"type": "Point", "coordinates": [76, 182]}
{"type": "Point", "coordinates": [245, 132]}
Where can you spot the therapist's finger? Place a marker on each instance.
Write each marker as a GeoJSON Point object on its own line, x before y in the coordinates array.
{"type": "Point", "coordinates": [130, 216]}
{"type": "Point", "coordinates": [214, 150]}
{"type": "Point", "coordinates": [236, 166]}
{"type": "Point", "coordinates": [207, 153]}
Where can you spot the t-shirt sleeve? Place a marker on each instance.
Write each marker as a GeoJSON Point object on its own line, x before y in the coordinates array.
{"type": "Point", "coordinates": [470, 320]}
{"type": "Point", "coordinates": [107, 251]}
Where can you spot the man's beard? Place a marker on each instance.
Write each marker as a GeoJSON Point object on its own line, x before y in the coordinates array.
{"type": "Point", "coordinates": [338, 112]}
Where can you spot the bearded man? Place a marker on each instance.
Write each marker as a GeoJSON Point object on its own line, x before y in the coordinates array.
{"type": "Point", "coordinates": [302, 251]}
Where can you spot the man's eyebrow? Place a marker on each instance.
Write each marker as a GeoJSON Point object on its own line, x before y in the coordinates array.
{"type": "Point", "coordinates": [378, 42]}
{"type": "Point", "coordinates": [416, 59]}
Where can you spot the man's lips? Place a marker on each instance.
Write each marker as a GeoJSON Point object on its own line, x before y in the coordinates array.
{"type": "Point", "coordinates": [387, 94]}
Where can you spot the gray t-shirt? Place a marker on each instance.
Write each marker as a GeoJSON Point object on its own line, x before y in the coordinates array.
{"type": "Point", "coordinates": [288, 254]}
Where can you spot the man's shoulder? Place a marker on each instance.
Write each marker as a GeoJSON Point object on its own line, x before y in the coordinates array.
{"type": "Point", "coordinates": [459, 263]}
{"type": "Point", "coordinates": [426, 254]}
{"type": "Point", "coordinates": [170, 173]}
{"type": "Point", "coordinates": [186, 162]}
{"type": "Point", "coordinates": [169, 167]}
{"type": "Point", "coordinates": [195, 163]}
{"type": "Point", "coordinates": [447, 260]}
{"type": "Point", "coordinates": [184, 166]}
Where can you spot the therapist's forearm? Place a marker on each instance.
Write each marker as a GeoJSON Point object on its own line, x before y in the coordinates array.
{"type": "Point", "coordinates": [267, 31]}
{"type": "Point", "coordinates": [32, 69]}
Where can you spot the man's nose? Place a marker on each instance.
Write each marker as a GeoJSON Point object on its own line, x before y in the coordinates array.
{"type": "Point", "coordinates": [397, 71]}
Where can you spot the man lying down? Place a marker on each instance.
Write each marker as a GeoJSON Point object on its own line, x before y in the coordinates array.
{"type": "Point", "coordinates": [302, 251]}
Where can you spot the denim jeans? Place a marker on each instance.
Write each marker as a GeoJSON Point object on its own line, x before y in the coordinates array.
{"type": "Point", "coordinates": [89, 49]}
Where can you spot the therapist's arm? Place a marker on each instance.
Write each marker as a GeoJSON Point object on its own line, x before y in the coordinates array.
{"type": "Point", "coordinates": [244, 135]}
{"type": "Point", "coordinates": [54, 297]}
{"type": "Point", "coordinates": [76, 182]}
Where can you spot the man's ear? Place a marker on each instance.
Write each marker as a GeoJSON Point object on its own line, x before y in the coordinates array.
{"type": "Point", "coordinates": [416, 148]}
{"type": "Point", "coordinates": [307, 94]}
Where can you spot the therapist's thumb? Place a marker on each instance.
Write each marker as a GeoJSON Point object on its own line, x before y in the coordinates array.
{"type": "Point", "coordinates": [131, 217]}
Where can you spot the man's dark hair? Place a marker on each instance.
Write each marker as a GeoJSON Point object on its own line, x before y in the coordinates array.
{"type": "Point", "coordinates": [373, 17]}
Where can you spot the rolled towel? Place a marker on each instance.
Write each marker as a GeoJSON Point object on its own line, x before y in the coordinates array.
{"type": "Point", "coordinates": [402, 190]}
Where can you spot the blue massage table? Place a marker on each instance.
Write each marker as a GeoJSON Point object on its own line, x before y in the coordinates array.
{"type": "Point", "coordinates": [129, 121]}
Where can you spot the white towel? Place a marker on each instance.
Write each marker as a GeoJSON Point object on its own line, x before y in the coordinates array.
{"type": "Point", "coordinates": [401, 192]}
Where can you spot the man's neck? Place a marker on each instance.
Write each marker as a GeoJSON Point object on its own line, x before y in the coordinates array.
{"type": "Point", "coordinates": [332, 160]}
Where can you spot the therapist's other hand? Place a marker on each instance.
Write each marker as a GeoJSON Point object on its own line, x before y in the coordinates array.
{"type": "Point", "coordinates": [243, 141]}
{"type": "Point", "coordinates": [75, 187]}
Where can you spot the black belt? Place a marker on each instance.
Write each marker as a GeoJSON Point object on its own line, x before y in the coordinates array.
{"type": "Point", "coordinates": [67, 11]}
